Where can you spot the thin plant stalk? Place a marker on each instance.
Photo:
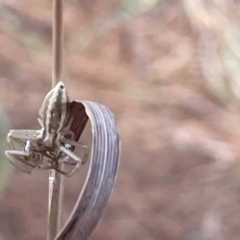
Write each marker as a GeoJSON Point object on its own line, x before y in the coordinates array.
{"type": "Point", "coordinates": [55, 178]}
{"type": "Point", "coordinates": [57, 38]}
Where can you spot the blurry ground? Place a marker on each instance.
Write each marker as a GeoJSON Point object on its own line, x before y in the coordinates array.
{"type": "Point", "coordinates": [179, 171]}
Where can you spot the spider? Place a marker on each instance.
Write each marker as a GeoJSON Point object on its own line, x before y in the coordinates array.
{"type": "Point", "coordinates": [50, 141]}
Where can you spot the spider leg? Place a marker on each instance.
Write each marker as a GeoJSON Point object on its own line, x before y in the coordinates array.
{"type": "Point", "coordinates": [77, 144]}
{"type": "Point", "coordinates": [40, 121]}
{"type": "Point", "coordinates": [69, 153]}
{"type": "Point", "coordinates": [68, 125]}
{"type": "Point", "coordinates": [22, 160]}
{"type": "Point", "coordinates": [67, 132]}
{"type": "Point", "coordinates": [73, 156]}
{"type": "Point", "coordinates": [67, 174]}
{"type": "Point", "coordinates": [20, 137]}
{"type": "Point", "coordinates": [46, 154]}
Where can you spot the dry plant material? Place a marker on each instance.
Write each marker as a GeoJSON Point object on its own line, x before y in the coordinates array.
{"type": "Point", "coordinates": [102, 171]}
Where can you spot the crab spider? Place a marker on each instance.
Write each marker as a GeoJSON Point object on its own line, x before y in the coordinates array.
{"type": "Point", "coordinates": [50, 140]}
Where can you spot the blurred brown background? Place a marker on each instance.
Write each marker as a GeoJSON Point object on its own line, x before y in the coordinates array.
{"type": "Point", "coordinates": [169, 71]}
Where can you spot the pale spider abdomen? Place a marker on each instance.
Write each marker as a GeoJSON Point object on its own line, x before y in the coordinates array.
{"type": "Point", "coordinates": [54, 113]}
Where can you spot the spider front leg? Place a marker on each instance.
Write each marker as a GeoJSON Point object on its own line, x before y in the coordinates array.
{"type": "Point", "coordinates": [24, 160]}
{"type": "Point", "coordinates": [21, 136]}
{"type": "Point", "coordinates": [54, 165]}
{"type": "Point", "coordinates": [47, 167]}
{"type": "Point", "coordinates": [73, 156]}
{"type": "Point", "coordinates": [71, 142]}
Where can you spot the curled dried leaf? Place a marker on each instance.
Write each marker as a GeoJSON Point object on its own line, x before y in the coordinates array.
{"type": "Point", "coordinates": [102, 171]}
